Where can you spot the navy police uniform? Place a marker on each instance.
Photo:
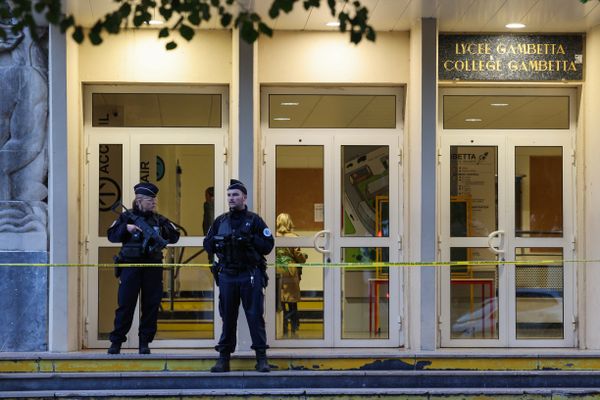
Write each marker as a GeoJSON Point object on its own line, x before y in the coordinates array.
{"type": "Point", "coordinates": [132, 280]}
{"type": "Point", "coordinates": [240, 239]}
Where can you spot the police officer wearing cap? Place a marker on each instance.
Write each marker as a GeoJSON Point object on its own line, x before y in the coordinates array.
{"type": "Point", "coordinates": [240, 239]}
{"type": "Point", "coordinates": [138, 249]}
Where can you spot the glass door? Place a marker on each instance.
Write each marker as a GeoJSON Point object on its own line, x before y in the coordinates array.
{"type": "Point", "coordinates": [335, 191]}
{"type": "Point", "coordinates": [185, 167]}
{"type": "Point", "coordinates": [507, 198]}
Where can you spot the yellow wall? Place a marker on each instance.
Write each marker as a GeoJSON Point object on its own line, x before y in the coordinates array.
{"type": "Point", "coordinates": [329, 57]}
{"type": "Point", "coordinates": [138, 56]}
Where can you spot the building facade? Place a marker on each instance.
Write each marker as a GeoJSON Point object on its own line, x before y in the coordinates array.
{"type": "Point", "coordinates": [423, 156]}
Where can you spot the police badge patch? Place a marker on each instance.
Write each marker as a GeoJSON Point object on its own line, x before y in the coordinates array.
{"type": "Point", "coordinates": [267, 232]}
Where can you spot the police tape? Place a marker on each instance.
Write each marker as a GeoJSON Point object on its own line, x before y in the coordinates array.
{"type": "Point", "coordinates": [367, 265]}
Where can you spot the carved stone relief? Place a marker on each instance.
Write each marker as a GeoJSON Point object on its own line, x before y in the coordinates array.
{"type": "Point", "coordinates": [23, 142]}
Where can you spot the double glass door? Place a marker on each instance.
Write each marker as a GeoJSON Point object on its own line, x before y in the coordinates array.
{"type": "Point", "coordinates": [333, 198]}
{"type": "Point", "coordinates": [507, 196]}
{"type": "Point", "coordinates": [188, 169]}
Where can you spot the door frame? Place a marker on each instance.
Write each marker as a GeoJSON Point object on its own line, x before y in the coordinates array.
{"type": "Point", "coordinates": [507, 141]}
{"type": "Point", "coordinates": [332, 140]}
{"type": "Point", "coordinates": [132, 138]}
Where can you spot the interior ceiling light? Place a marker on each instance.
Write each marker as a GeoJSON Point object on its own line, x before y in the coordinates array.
{"type": "Point", "coordinates": [473, 119]}
{"type": "Point", "coordinates": [515, 25]}
{"type": "Point", "coordinates": [281, 119]}
{"type": "Point", "coordinates": [333, 24]}
{"type": "Point", "coordinates": [289, 103]}
{"type": "Point", "coordinates": [498, 104]}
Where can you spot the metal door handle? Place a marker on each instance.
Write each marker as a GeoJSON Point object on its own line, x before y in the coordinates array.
{"type": "Point", "coordinates": [323, 233]}
{"type": "Point", "coordinates": [491, 236]}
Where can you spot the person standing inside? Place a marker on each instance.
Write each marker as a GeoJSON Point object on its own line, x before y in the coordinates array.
{"type": "Point", "coordinates": [240, 239]}
{"type": "Point", "coordinates": [144, 233]}
{"type": "Point", "coordinates": [289, 275]}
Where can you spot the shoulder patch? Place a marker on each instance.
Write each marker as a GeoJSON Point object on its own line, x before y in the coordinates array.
{"type": "Point", "coordinates": [267, 232]}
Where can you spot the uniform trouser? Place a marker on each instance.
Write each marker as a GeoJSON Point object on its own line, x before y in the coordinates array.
{"type": "Point", "coordinates": [132, 280]}
{"type": "Point", "coordinates": [246, 286]}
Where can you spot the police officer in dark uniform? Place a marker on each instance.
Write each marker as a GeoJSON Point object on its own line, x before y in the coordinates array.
{"type": "Point", "coordinates": [144, 233]}
{"type": "Point", "coordinates": [240, 239]}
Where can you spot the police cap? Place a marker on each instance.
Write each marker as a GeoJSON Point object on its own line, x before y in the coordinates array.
{"type": "Point", "coordinates": [235, 184]}
{"type": "Point", "coordinates": [146, 188]}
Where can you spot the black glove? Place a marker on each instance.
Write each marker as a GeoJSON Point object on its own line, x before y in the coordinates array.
{"type": "Point", "coordinates": [245, 241]}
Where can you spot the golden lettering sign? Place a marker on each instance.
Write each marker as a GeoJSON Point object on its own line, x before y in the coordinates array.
{"type": "Point", "coordinates": [510, 57]}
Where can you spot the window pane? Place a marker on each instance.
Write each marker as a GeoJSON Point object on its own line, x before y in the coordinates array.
{"type": "Point", "coordinates": [473, 295]}
{"type": "Point", "coordinates": [187, 307]}
{"type": "Point", "coordinates": [366, 188]}
{"type": "Point", "coordinates": [538, 192]}
{"type": "Point", "coordinates": [156, 110]}
{"type": "Point", "coordinates": [184, 174]}
{"type": "Point", "coordinates": [299, 187]}
{"type": "Point", "coordinates": [110, 177]}
{"type": "Point", "coordinates": [473, 190]}
{"type": "Point", "coordinates": [108, 286]}
{"type": "Point", "coordinates": [365, 295]}
{"type": "Point", "coordinates": [332, 111]}
{"type": "Point", "coordinates": [506, 112]}
{"type": "Point", "coordinates": [539, 294]}
{"type": "Point", "coordinates": [299, 305]}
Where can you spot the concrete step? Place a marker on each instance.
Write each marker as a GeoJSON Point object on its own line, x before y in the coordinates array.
{"type": "Point", "coordinates": [320, 394]}
{"type": "Point", "coordinates": [301, 380]}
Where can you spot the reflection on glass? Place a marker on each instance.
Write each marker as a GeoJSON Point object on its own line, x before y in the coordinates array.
{"type": "Point", "coordinates": [183, 174]}
{"type": "Point", "coordinates": [473, 295]}
{"type": "Point", "coordinates": [539, 294]}
{"type": "Point", "coordinates": [299, 187]}
{"type": "Point", "coordinates": [538, 192]}
{"type": "Point", "coordinates": [473, 190]}
{"type": "Point", "coordinates": [156, 110]}
{"type": "Point", "coordinates": [108, 286]}
{"type": "Point", "coordinates": [365, 188]}
{"type": "Point", "coordinates": [299, 303]}
{"type": "Point", "coordinates": [506, 112]}
{"type": "Point", "coordinates": [332, 111]}
{"type": "Point", "coordinates": [187, 307]}
{"type": "Point", "coordinates": [186, 310]}
{"type": "Point", "coordinates": [365, 296]}
{"type": "Point", "coordinates": [110, 178]}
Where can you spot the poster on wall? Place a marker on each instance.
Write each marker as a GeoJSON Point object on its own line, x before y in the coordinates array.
{"type": "Point", "coordinates": [473, 183]}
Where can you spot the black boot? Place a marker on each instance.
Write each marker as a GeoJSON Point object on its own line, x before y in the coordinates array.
{"type": "Point", "coordinates": [262, 364]}
{"type": "Point", "coordinates": [222, 364]}
{"type": "Point", "coordinates": [115, 348]}
{"type": "Point", "coordinates": [144, 348]}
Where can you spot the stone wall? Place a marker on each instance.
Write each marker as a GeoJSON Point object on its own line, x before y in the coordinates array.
{"type": "Point", "coordinates": [23, 193]}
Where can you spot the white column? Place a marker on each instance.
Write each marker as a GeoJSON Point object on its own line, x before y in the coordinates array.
{"type": "Point", "coordinates": [62, 313]}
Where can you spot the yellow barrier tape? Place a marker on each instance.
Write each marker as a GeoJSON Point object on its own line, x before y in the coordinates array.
{"type": "Point", "coordinates": [323, 265]}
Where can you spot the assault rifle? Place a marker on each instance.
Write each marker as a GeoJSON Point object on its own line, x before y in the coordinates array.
{"type": "Point", "coordinates": [152, 239]}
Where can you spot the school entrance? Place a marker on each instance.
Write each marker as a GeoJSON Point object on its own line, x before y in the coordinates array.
{"type": "Point", "coordinates": [333, 179]}
{"type": "Point", "coordinates": [507, 171]}
{"type": "Point", "coordinates": [174, 137]}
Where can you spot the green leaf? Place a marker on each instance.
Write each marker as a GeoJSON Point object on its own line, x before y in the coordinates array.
{"type": "Point", "coordinates": [78, 34]}
{"type": "Point", "coordinates": [248, 33]}
{"type": "Point", "coordinates": [164, 32]}
{"type": "Point", "coordinates": [226, 20]}
{"type": "Point", "coordinates": [171, 45]}
{"type": "Point", "coordinates": [95, 37]}
{"type": "Point", "coordinates": [66, 23]}
{"type": "Point", "coordinates": [186, 31]}
{"type": "Point", "coordinates": [264, 28]}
